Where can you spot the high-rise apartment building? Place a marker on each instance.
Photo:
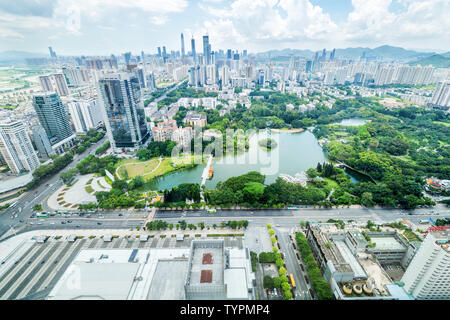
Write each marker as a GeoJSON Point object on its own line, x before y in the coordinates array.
{"type": "Point", "coordinates": [441, 95]}
{"type": "Point", "coordinates": [75, 77]}
{"type": "Point", "coordinates": [16, 148]}
{"type": "Point", "coordinates": [428, 274]}
{"type": "Point", "coordinates": [123, 112]}
{"type": "Point", "coordinates": [55, 82]}
{"type": "Point", "coordinates": [85, 114]}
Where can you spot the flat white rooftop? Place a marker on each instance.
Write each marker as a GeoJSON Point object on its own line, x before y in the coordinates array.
{"type": "Point", "coordinates": [387, 243]}
{"type": "Point", "coordinates": [95, 281]}
{"type": "Point", "coordinates": [235, 278]}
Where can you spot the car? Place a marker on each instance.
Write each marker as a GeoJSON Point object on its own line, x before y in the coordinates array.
{"type": "Point", "coordinates": [77, 226]}
{"type": "Point", "coordinates": [63, 222]}
{"type": "Point", "coordinates": [101, 217]}
{"type": "Point", "coordinates": [21, 221]}
{"type": "Point", "coordinates": [120, 215]}
{"type": "Point", "coordinates": [277, 225]}
{"type": "Point", "coordinates": [39, 223]}
{"type": "Point", "coordinates": [69, 221]}
{"type": "Point", "coordinates": [52, 223]}
{"type": "Point", "coordinates": [99, 223]}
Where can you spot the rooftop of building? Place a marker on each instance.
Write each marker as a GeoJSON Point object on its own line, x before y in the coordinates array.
{"type": "Point", "coordinates": [198, 266]}
{"type": "Point", "coordinates": [442, 236]}
{"type": "Point", "coordinates": [386, 242]}
{"type": "Point", "coordinates": [331, 252]}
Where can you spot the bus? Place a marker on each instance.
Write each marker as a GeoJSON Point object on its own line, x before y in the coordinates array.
{"type": "Point", "coordinates": [291, 277]}
{"type": "Point", "coordinates": [211, 210]}
{"type": "Point", "coordinates": [92, 211]}
{"type": "Point", "coordinates": [292, 208]}
{"type": "Point", "coordinates": [62, 212]}
{"type": "Point", "coordinates": [42, 215]}
{"type": "Point", "coordinates": [12, 204]}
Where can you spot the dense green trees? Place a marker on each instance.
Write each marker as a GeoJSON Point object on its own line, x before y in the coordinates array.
{"type": "Point", "coordinates": [103, 148]}
{"type": "Point", "coordinates": [317, 281]}
{"type": "Point", "coordinates": [156, 149]}
{"type": "Point", "coordinates": [47, 170]}
{"type": "Point", "coordinates": [68, 175]}
{"type": "Point", "coordinates": [189, 191]}
{"type": "Point", "coordinates": [92, 164]}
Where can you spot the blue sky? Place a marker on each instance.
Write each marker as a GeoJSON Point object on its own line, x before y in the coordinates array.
{"type": "Point", "coordinates": [115, 26]}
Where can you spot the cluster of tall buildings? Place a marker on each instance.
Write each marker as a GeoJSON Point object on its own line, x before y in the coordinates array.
{"type": "Point", "coordinates": [441, 96]}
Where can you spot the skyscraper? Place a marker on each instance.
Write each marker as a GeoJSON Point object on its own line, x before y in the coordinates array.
{"type": "Point", "coordinates": [123, 111]}
{"type": "Point", "coordinates": [52, 116]}
{"type": "Point", "coordinates": [332, 54]}
{"type": "Point", "coordinates": [127, 57]}
{"type": "Point", "coordinates": [194, 54]}
{"type": "Point", "coordinates": [229, 54]}
{"type": "Point", "coordinates": [309, 65]}
{"type": "Point", "coordinates": [182, 45]}
{"type": "Point", "coordinates": [206, 50]}
{"type": "Point", "coordinates": [427, 276]}
{"type": "Point", "coordinates": [41, 141]}
{"type": "Point", "coordinates": [159, 52]}
{"type": "Point", "coordinates": [16, 148]}
{"type": "Point", "coordinates": [52, 53]}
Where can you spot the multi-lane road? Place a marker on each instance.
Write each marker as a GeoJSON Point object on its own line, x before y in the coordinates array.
{"type": "Point", "coordinates": [25, 204]}
{"type": "Point", "coordinates": [126, 219]}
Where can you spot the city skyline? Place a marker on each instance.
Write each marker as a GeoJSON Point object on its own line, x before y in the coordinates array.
{"type": "Point", "coordinates": [94, 27]}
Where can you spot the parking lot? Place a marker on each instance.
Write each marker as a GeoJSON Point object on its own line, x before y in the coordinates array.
{"type": "Point", "coordinates": [35, 268]}
{"type": "Point", "coordinates": [395, 271]}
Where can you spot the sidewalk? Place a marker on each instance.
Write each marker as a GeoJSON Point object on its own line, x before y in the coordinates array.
{"type": "Point", "coordinates": [75, 195]}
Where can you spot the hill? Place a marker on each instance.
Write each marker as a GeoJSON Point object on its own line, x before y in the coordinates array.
{"type": "Point", "coordinates": [436, 60]}
{"type": "Point", "coordinates": [18, 56]}
{"type": "Point", "coordinates": [386, 52]}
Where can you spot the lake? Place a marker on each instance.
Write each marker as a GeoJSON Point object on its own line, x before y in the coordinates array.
{"type": "Point", "coordinates": [295, 152]}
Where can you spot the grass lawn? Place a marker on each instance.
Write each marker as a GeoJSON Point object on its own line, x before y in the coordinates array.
{"type": "Point", "coordinates": [89, 189]}
{"type": "Point", "coordinates": [411, 236]}
{"type": "Point", "coordinates": [135, 167]}
{"type": "Point", "coordinates": [331, 183]}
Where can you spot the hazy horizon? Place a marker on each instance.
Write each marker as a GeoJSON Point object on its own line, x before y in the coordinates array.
{"type": "Point", "coordinates": [100, 27]}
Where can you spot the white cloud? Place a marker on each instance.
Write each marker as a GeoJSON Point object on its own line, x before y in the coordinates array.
{"type": "Point", "coordinates": [158, 20]}
{"type": "Point", "coordinates": [8, 33]}
{"type": "Point", "coordinates": [299, 23]}
{"type": "Point", "coordinates": [266, 21]}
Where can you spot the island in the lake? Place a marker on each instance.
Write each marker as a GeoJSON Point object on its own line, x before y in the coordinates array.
{"type": "Point", "coordinates": [268, 143]}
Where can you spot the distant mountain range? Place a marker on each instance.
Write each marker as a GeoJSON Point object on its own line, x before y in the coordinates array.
{"type": "Point", "coordinates": [386, 52]}
{"type": "Point", "coordinates": [436, 60]}
{"type": "Point", "coordinates": [19, 56]}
